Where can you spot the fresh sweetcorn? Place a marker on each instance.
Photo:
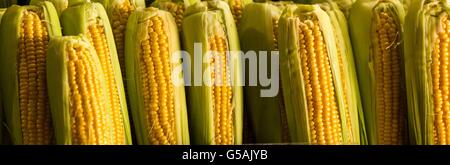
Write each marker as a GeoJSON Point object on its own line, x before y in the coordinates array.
{"type": "Point", "coordinates": [216, 101]}
{"type": "Point", "coordinates": [427, 27]}
{"type": "Point", "coordinates": [158, 103]}
{"type": "Point", "coordinates": [90, 19]}
{"type": "Point", "coordinates": [313, 83]}
{"type": "Point", "coordinates": [380, 68]}
{"type": "Point", "coordinates": [25, 32]}
{"type": "Point", "coordinates": [78, 94]}
{"type": "Point", "coordinates": [175, 7]}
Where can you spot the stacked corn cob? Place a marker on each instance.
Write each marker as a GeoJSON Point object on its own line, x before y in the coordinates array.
{"type": "Point", "coordinates": [380, 68]}
{"type": "Point", "coordinates": [26, 31]}
{"type": "Point", "coordinates": [218, 119]}
{"type": "Point", "coordinates": [427, 27]}
{"type": "Point", "coordinates": [368, 82]}
{"type": "Point", "coordinates": [158, 105]}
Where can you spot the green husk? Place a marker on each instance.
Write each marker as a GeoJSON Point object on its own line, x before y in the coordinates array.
{"type": "Point", "coordinates": [200, 20]}
{"type": "Point", "coordinates": [360, 25]}
{"type": "Point", "coordinates": [136, 32]}
{"type": "Point", "coordinates": [165, 5]}
{"type": "Point", "coordinates": [406, 4]}
{"type": "Point", "coordinates": [9, 30]}
{"type": "Point", "coordinates": [60, 5]}
{"type": "Point", "coordinates": [339, 22]}
{"type": "Point", "coordinates": [109, 5]}
{"type": "Point", "coordinates": [75, 20]}
{"type": "Point", "coordinates": [343, 5]}
{"type": "Point", "coordinates": [119, 28]}
{"type": "Point", "coordinates": [58, 84]}
{"type": "Point", "coordinates": [421, 26]}
{"type": "Point", "coordinates": [161, 3]}
{"type": "Point", "coordinates": [257, 34]}
{"type": "Point", "coordinates": [243, 4]}
{"type": "Point", "coordinates": [292, 79]}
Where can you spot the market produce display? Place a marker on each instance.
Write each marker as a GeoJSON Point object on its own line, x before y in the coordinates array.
{"type": "Point", "coordinates": [224, 72]}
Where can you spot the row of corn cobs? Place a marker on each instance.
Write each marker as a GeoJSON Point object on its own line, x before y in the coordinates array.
{"type": "Point", "coordinates": [364, 72]}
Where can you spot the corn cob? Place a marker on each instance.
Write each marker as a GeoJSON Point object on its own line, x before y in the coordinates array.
{"type": "Point", "coordinates": [237, 7]}
{"type": "Point", "coordinates": [259, 32]}
{"type": "Point", "coordinates": [118, 13]}
{"type": "Point", "coordinates": [215, 105]}
{"type": "Point", "coordinates": [176, 7]}
{"type": "Point", "coordinates": [347, 67]}
{"type": "Point", "coordinates": [91, 20]}
{"type": "Point", "coordinates": [427, 27]}
{"type": "Point", "coordinates": [313, 85]}
{"type": "Point", "coordinates": [60, 5]}
{"type": "Point", "coordinates": [158, 104]}
{"type": "Point", "coordinates": [77, 90]}
{"type": "Point", "coordinates": [380, 68]}
{"type": "Point", "coordinates": [25, 32]}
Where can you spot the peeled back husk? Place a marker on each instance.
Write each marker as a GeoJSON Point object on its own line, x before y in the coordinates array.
{"type": "Point", "coordinates": [60, 5]}
{"type": "Point", "coordinates": [344, 5]}
{"type": "Point", "coordinates": [175, 7]}
{"type": "Point", "coordinates": [266, 114]}
{"type": "Point", "coordinates": [138, 33]}
{"type": "Point", "coordinates": [205, 22]}
{"type": "Point", "coordinates": [10, 42]}
{"type": "Point", "coordinates": [311, 79]}
{"type": "Point", "coordinates": [345, 53]}
{"type": "Point", "coordinates": [90, 19]}
{"type": "Point", "coordinates": [383, 96]}
{"type": "Point", "coordinates": [73, 69]}
{"type": "Point", "coordinates": [426, 58]}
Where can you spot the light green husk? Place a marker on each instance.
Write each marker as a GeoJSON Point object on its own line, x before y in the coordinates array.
{"type": "Point", "coordinates": [421, 28]}
{"type": "Point", "coordinates": [60, 5]}
{"type": "Point", "coordinates": [292, 79]}
{"type": "Point", "coordinates": [361, 29]}
{"type": "Point", "coordinates": [136, 32]}
{"type": "Point", "coordinates": [75, 21]}
{"type": "Point", "coordinates": [201, 20]}
{"type": "Point", "coordinates": [9, 44]}
{"type": "Point", "coordinates": [257, 34]}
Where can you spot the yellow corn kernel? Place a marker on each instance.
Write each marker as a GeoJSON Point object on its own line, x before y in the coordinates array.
{"type": "Point", "coordinates": [175, 8]}
{"type": "Point", "coordinates": [236, 7]}
{"type": "Point", "coordinates": [35, 115]}
{"type": "Point", "coordinates": [440, 80]}
{"type": "Point", "coordinates": [222, 92]}
{"type": "Point", "coordinates": [119, 17]}
{"type": "Point", "coordinates": [155, 68]}
{"type": "Point", "coordinates": [325, 125]}
{"type": "Point", "coordinates": [88, 121]}
{"type": "Point", "coordinates": [177, 11]}
{"type": "Point", "coordinates": [390, 103]}
{"type": "Point", "coordinates": [285, 136]}
{"type": "Point", "coordinates": [275, 32]}
{"type": "Point", "coordinates": [97, 37]}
